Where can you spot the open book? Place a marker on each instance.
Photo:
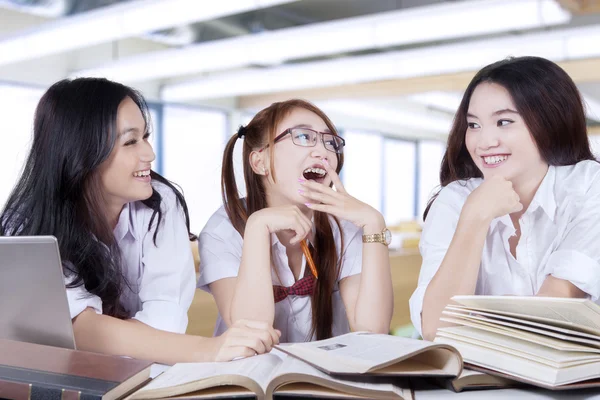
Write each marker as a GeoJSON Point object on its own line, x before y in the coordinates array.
{"type": "Point", "coordinates": [544, 341]}
{"type": "Point", "coordinates": [355, 365]}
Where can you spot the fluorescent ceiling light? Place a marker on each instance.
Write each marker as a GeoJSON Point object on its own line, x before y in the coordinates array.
{"type": "Point", "coordinates": [442, 22]}
{"type": "Point", "coordinates": [116, 22]}
{"type": "Point", "coordinates": [557, 45]}
{"type": "Point", "coordinates": [444, 101]}
{"type": "Point", "coordinates": [415, 120]}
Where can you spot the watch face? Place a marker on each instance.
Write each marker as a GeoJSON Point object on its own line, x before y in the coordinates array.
{"type": "Point", "coordinates": [387, 236]}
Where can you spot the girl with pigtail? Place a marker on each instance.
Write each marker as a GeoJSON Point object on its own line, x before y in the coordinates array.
{"type": "Point", "coordinates": [291, 253]}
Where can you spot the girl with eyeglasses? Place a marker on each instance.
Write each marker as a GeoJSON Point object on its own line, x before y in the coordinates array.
{"type": "Point", "coordinates": [295, 252]}
{"type": "Point", "coordinates": [122, 229]}
{"type": "Point", "coordinates": [519, 208]}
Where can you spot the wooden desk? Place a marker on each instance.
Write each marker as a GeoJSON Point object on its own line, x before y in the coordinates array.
{"type": "Point", "coordinates": [202, 314]}
{"type": "Point", "coordinates": [405, 265]}
{"type": "Point", "coordinates": [434, 393]}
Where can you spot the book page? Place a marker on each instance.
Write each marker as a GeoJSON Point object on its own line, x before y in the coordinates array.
{"type": "Point", "coordinates": [522, 368]}
{"type": "Point", "coordinates": [258, 368]}
{"type": "Point", "coordinates": [476, 379]}
{"type": "Point", "coordinates": [360, 352]}
{"type": "Point", "coordinates": [518, 347]}
{"type": "Point", "coordinates": [294, 370]}
{"type": "Point", "coordinates": [582, 314]}
{"type": "Point", "coordinates": [546, 337]}
{"type": "Point", "coordinates": [524, 323]}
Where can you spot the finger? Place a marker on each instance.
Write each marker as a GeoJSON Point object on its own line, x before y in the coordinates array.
{"type": "Point", "coordinates": [303, 216]}
{"type": "Point", "coordinates": [260, 335]}
{"type": "Point", "coordinates": [301, 234]}
{"type": "Point", "coordinates": [262, 326]}
{"type": "Point", "coordinates": [274, 336]}
{"type": "Point", "coordinates": [518, 207]}
{"type": "Point", "coordinates": [318, 197]}
{"type": "Point", "coordinates": [335, 178]}
{"type": "Point", "coordinates": [323, 208]}
{"type": "Point", "coordinates": [319, 187]}
{"type": "Point", "coordinates": [299, 229]}
{"type": "Point", "coordinates": [248, 338]}
{"type": "Point", "coordinates": [304, 220]}
{"type": "Point", "coordinates": [230, 353]}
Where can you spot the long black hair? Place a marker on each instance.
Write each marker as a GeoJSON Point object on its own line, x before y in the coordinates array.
{"type": "Point", "coordinates": [547, 99]}
{"type": "Point", "coordinates": [59, 192]}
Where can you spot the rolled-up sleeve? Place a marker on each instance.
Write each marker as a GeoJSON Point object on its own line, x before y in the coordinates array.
{"type": "Point", "coordinates": [167, 285]}
{"type": "Point", "coordinates": [577, 257]}
{"type": "Point", "coordinates": [438, 232]}
{"type": "Point", "coordinates": [220, 248]}
{"type": "Point", "coordinates": [352, 253]}
{"type": "Point", "coordinates": [79, 299]}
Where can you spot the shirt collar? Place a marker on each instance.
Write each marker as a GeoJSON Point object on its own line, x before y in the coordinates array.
{"type": "Point", "coordinates": [124, 224]}
{"type": "Point", "coordinates": [544, 196]}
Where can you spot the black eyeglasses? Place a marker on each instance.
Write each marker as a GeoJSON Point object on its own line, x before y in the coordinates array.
{"type": "Point", "coordinates": [306, 137]}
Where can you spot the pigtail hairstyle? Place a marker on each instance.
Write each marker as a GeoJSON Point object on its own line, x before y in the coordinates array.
{"type": "Point", "coordinates": [257, 134]}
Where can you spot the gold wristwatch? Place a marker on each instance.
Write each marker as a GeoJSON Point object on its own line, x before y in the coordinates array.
{"type": "Point", "coordinates": [384, 237]}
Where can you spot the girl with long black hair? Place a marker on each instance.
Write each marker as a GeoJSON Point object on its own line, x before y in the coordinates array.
{"type": "Point", "coordinates": [519, 208]}
{"type": "Point", "coordinates": [122, 229]}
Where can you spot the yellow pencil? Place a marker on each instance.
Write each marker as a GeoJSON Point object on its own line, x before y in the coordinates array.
{"type": "Point", "coordinates": [309, 259]}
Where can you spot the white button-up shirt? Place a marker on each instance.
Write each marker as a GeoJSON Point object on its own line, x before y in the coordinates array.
{"type": "Point", "coordinates": [220, 247]}
{"type": "Point", "coordinates": [560, 236]}
{"type": "Point", "coordinates": [161, 278]}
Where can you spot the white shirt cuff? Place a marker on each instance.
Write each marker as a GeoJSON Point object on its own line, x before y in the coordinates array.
{"type": "Point", "coordinates": [416, 307]}
{"type": "Point", "coordinates": [577, 268]}
{"type": "Point", "coordinates": [79, 299]}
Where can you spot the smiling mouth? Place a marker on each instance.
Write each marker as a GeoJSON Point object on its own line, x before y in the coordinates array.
{"type": "Point", "coordinates": [314, 174]}
{"type": "Point", "coordinates": [493, 160]}
{"type": "Point", "coordinates": [141, 174]}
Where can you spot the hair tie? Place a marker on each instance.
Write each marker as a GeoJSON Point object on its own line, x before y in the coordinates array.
{"type": "Point", "coordinates": [241, 132]}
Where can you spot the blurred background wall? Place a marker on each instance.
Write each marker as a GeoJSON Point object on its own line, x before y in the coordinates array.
{"type": "Point", "coordinates": [390, 74]}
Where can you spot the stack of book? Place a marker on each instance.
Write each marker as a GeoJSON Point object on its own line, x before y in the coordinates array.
{"type": "Point", "coordinates": [501, 341]}
{"type": "Point", "coordinates": [548, 342]}
{"type": "Point", "coordinates": [33, 371]}
{"type": "Point", "coordinates": [355, 365]}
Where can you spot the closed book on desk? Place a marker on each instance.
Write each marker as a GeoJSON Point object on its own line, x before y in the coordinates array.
{"type": "Point", "coordinates": [548, 342]}
{"type": "Point", "coordinates": [33, 371]}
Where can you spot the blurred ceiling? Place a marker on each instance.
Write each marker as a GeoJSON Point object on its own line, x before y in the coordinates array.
{"type": "Point", "coordinates": [402, 63]}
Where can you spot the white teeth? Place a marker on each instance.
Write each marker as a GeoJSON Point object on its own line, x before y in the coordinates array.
{"type": "Point", "coordinates": [319, 171]}
{"type": "Point", "coordinates": [494, 159]}
{"type": "Point", "coordinates": [141, 173]}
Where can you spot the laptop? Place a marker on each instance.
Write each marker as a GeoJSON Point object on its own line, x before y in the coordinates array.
{"type": "Point", "coordinates": [33, 298]}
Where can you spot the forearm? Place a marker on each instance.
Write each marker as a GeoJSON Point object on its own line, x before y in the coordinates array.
{"type": "Point", "coordinates": [104, 334]}
{"type": "Point", "coordinates": [458, 273]}
{"type": "Point", "coordinates": [555, 287]}
{"type": "Point", "coordinates": [375, 301]}
{"type": "Point", "coordinates": [253, 295]}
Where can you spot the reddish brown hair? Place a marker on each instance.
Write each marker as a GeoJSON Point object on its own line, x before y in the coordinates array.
{"type": "Point", "coordinates": [257, 134]}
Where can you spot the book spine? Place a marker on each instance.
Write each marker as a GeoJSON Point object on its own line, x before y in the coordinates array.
{"type": "Point", "coordinates": [20, 391]}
